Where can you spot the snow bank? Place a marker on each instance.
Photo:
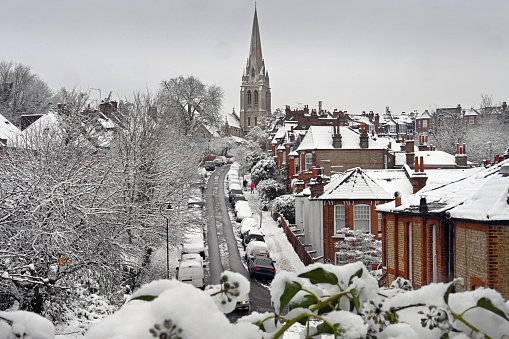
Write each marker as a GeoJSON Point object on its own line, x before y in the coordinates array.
{"type": "Point", "coordinates": [26, 325]}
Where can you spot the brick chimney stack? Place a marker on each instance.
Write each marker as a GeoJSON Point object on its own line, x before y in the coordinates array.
{"type": "Point", "coordinates": [336, 137]}
{"type": "Point", "coordinates": [364, 138]}
{"type": "Point", "coordinates": [461, 156]}
{"type": "Point", "coordinates": [409, 150]}
{"type": "Point", "coordinates": [418, 178]}
{"type": "Point", "coordinates": [397, 198]}
{"type": "Point", "coordinates": [317, 184]}
{"type": "Point", "coordinates": [341, 118]}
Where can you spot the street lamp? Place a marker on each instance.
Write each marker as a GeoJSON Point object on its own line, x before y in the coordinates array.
{"type": "Point", "coordinates": [168, 208]}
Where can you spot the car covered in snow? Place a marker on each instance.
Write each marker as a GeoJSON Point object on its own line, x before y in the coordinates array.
{"type": "Point", "coordinates": [246, 225]}
{"type": "Point", "coordinates": [194, 244]}
{"type": "Point", "coordinates": [256, 248]}
{"type": "Point", "coordinates": [243, 212]}
{"type": "Point", "coordinates": [253, 234]}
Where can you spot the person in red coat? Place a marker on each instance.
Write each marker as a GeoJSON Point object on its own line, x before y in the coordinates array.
{"type": "Point", "coordinates": [252, 187]}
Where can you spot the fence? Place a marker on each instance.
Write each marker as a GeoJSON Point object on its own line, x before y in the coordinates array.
{"type": "Point", "coordinates": [299, 248]}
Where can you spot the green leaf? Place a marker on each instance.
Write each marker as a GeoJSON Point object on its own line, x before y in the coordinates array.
{"type": "Point", "coordinates": [357, 274]}
{"type": "Point", "coordinates": [306, 302]}
{"type": "Point", "coordinates": [326, 308]}
{"type": "Point", "coordinates": [291, 289]}
{"type": "Point", "coordinates": [144, 297]}
{"type": "Point", "coordinates": [445, 335]}
{"type": "Point", "coordinates": [320, 276]}
{"type": "Point", "coordinates": [354, 301]}
{"type": "Point", "coordinates": [487, 305]}
{"type": "Point", "coordinates": [449, 289]}
{"type": "Point", "coordinates": [323, 328]}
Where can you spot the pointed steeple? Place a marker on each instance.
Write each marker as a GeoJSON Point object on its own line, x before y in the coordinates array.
{"type": "Point", "coordinates": [255, 51]}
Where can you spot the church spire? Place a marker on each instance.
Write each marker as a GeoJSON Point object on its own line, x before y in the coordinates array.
{"type": "Point", "coordinates": [255, 52]}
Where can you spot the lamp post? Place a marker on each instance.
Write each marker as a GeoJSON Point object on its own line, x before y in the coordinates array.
{"type": "Point", "coordinates": [168, 208]}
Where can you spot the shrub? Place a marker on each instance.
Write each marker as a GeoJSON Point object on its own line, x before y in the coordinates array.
{"type": "Point", "coordinates": [263, 170]}
{"type": "Point", "coordinates": [268, 190]}
{"type": "Point", "coordinates": [285, 205]}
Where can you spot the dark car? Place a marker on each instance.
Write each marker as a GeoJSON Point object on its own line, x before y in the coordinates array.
{"type": "Point", "coordinates": [232, 193]}
{"type": "Point", "coordinates": [238, 197]}
{"type": "Point", "coordinates": [253, 234]}
{"type": "Point", "coordinates": [262, 268]}
{"type": "Point", "coordinates": [209, 165]}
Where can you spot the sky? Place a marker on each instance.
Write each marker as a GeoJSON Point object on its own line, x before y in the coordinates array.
{"type": "Point", "coordinates": [361, 55]}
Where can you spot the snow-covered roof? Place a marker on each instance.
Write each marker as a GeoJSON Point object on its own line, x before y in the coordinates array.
{"type": "Point", "coordinates": [385, 141]}
{"type": "Point", "coordinates": [431, 158]}
{"type": "Point", "coordinates": [358, 184]}
{"type": "Point", "coordinates": [481, 196]}
{"type": "Point", "coordinates": [232, 120]}
{"type": "Point", "coordinates": [471, 113]}
{"type": "Point", "coordinates": [423, 115]}
{"type": "Point", "coordinates": [320, 137]}
{"type": "Point", "coordinates": [238, 139]}
{"type": "Point", "coordinates": [7, 130]}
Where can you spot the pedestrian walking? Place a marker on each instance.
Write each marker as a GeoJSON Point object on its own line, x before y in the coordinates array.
{"type": "Point", "coordinates": [245, 184]}
{"type": "Point", "coordinates": [252, 187]}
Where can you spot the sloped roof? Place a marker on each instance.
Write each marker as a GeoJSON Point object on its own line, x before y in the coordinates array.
{"type": "Point", "coordinates": [481, 196]}
{"type": "Point", "coordinates": [423, 115]}
{"type": "Point", "coordinates": [7, 130]}
{"type": "Point", "coordinates": [431, 158]}
{"type": "Point", "coordinates": [232, 120]}
{"type": "Point", "coordinates": [320, 137]}
{"type": "Point", "coordinates": [355, 184]}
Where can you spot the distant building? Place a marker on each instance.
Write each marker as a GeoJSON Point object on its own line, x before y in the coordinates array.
{"type": "Point", "coordinates": [255, 95]}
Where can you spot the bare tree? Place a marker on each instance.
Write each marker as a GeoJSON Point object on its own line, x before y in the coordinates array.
{"type": "Point", "coordinates": [21, 91]}
{"type": "Point", "coordinates": [191, 103]}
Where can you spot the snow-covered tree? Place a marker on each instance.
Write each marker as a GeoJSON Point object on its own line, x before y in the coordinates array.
{"type": "Point", "coordinates": [189, 102]}
{"type": "Point", "coordinates": [251, 158]}
{"type": "Point", "coordinates": [21, 91]}
{"type": "Point", "coordinates": [263, 170]}
{"type": "Point", "coordinates": [360, 246]}
{"type": "Point", "coordinates": [258, 137]}
{"type": "Point", "coordinates": [268, 190]}
{"type": "Point", "coordinates": [285, 205]}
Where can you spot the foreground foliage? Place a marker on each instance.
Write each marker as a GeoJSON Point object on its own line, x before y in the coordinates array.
{"type": "Point", "coordinates": [341, 301]}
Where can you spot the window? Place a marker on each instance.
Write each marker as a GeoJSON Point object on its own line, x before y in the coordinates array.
{"type": "Point", "coordinates": [309, 162]}
{"type": "Point", "coordinates": [425, 124]}
{"type": "Point", "coordinates": [471, 120]}
{"type": "Point", "coordinates": [267, 103]}
{"type": "Point", "coordinates": [296, 166]}
{"type": "Point", "coordinates": [379, 222]}
{"type": "Point", "coordinates": [249, 121]}
{"type": "Point", "coordinates": [256, 118]}
{"type": "Point", "coordinates": [284, 152]}
{"type": "Point", "coordinates": [361, 214]}
{"type": "Point", "coordinates": [340, 258]}
{"type": "Point", "coordinates": [256, 97]}
{"type": "Point", "coordinates": [392, 129]}
{"type": "Point", "coordinates": [249, 97]}
{"type": "Point", "coordinates": [339, 217]}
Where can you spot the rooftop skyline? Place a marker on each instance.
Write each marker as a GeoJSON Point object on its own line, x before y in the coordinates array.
{"type": "Point", "coordinates": [356, 56]}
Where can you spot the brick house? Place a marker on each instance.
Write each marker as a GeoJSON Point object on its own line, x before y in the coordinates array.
{"type": "Point", "coordinates": [339, 148]}
{"type": "Point", "coordinates": [457, 227]}
{"type": "Point", "coordinates": [323, 209]}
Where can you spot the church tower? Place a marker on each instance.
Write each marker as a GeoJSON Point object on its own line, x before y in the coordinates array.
{"type": "Point", "coordinates": [255, 94]}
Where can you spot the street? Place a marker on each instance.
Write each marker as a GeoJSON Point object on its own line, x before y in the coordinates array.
{"type": "Point", "coordinates": [223, 244]}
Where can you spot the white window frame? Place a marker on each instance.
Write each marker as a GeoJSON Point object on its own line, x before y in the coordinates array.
{"type": "Point", "coordinates": [425, 124]}
{"type": "Point", "coordinates": [392, 128]}
{"type": "Point", "coordinates": [309, 161]}
{"type": "Point", "coordinates": [284, 157]}
{"type": "Point", "coordinates": [296, 166]}
{"type": "Point", "coordinates": [338, 256]}
{"type": "Point", "coordinates": [471, 120]}
{"type": "Point", "coordinates": [339, 217]}
{"type": "Point", "coordinates": [361, 214]}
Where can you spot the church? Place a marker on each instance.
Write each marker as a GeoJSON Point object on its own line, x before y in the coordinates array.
{"type": "Point", "coordinates": [255, 96]}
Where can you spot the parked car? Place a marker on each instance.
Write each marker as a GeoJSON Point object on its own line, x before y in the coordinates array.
{"type": "Point", "coordinates": [244, 212]}
{"type": "Point", "coordinates": [195, 198]}
{"type": "Point", "coordinates": [236, 198]}
{"type": "Point", "coordinates": [246, 225]}
{"type": "Point", "coordinates": [262, 268]}
{"type": "Point", "coordinates": [243, 304]}
{"type": "Point", "coordinates": [240, 204]}
{"type": "Point", "coordinates": [220, 160]}
{"type": "Point", "coordinates": [191, 272]}
{"type": "Point", "coordinates": [194, 244]}
{"type": "Point", "coordinates": [233, 192]}
{"type": "Point", "coordinates": [253, 234]}
{"type": "Point", "coordinates": [209, 165]}
{"type": "Point", "coordinates": [256, 248]}
{"type": "Point", "coordinates": [217, 162]}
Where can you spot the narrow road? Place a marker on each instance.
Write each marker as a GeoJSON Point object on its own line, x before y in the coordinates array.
{"type": "Point", "coordinates": [223, 250]}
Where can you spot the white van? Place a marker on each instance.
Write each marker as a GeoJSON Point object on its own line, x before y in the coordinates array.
{"type": "Point", "coordinates": [191, 272]}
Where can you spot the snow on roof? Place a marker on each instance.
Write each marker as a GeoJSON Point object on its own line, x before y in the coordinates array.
{"type": "Point", "coordinates": [320, 137]}
{"type": "Point", "coordinates": [7, 130]}
{"type": "Point", "coordinates": [392, 180]}
{"type": "Point", "coordinates": [281, 132]}
{"type": "Point", "coordinates": [232, 120]}
{"type": "Point", "coordinates": [423, 115]}
{"type": "Point", "coordinates": [431, 158]}
{"type": "Point", "coordinates": [480, 196]}
{"type": "Point", "coordinates": [355, 184]}
{"type": "Point", "coordinates": [471, 112]}
{"type": "Point", "coordinates": [395, 146]}
{"type": "Point", "coordinates": [281, 148]}
{"type": "Point", "coordinates": [238, 139]}
{"type": "Point", "coordinates": [293, 153]}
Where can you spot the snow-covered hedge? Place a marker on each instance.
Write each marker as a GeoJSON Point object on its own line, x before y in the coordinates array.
{"type": "Point", "coordinates": [285, 205]}
{"type": "Point", "coordinates": [252, 158]}
{"type": "Point", "coordinates": [263, 170]}
{"type": "Point", "coordinates": [269, 190]}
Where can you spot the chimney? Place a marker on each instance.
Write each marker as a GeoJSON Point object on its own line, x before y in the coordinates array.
{"type": "Point", "coordinates": [341, 119]}
{"type": "Point", "coordinates": [336, 137]}
{"type": "Point", "coordinates": [423, 206]}
{"type": "Point", "coordinates": [397, 198]}
{"type": "Point", "coordinates": [317, 184]}
{"type": "Point", "coordinates": [422, 164]}
{"type": "Point", "coordinates": [364, 138]}
{"type": "Point", "coordinates": [416, 167]}
{"type": "Point", "coordinates": [461, 157]}
{"type": "Point", "coordinates": [409, 150]}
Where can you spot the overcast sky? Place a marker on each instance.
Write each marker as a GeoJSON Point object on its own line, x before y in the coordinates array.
{"type": "Point", "coordinates": [357, 55]}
